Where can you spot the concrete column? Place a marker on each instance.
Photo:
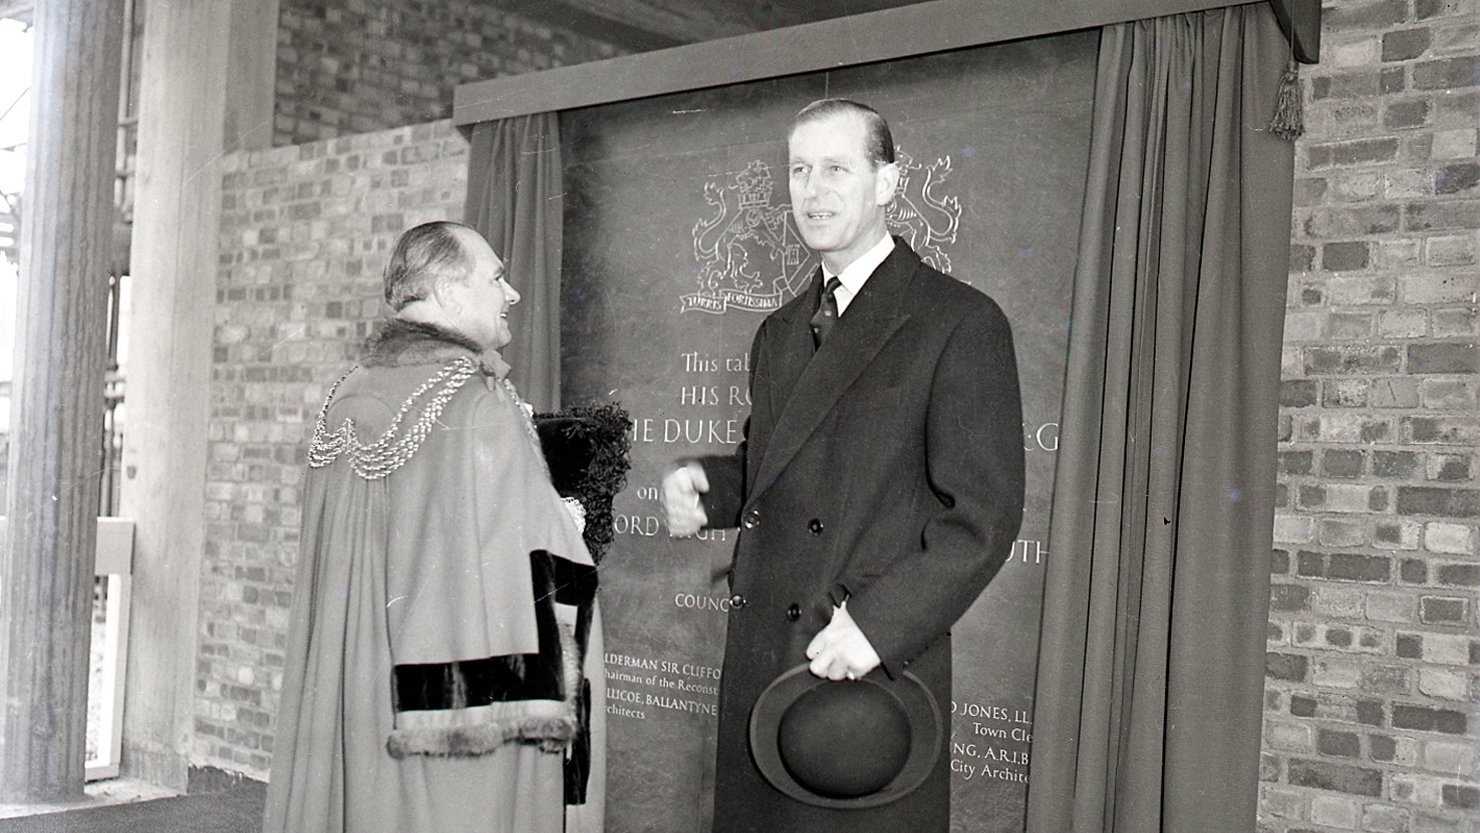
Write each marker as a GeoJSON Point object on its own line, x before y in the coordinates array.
{"type": "Point", "coordinates": [46, 564]}
{"type": "Point", "coordinates": [208, 72]}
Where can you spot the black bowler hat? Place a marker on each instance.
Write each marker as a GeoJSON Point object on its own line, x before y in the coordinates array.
{"type": "Point", "coordinates": [845, 744]}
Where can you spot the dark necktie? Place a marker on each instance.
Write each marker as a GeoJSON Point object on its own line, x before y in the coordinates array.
{"type": "Point", "coordinates": [826, 316]}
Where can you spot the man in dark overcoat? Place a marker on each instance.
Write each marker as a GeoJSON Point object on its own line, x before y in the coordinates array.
{"type": "Point", "coordinates": [880, 484]}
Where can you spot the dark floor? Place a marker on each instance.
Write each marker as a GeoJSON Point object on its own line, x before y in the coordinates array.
{"type": "Point", "coordinates": [236, 809]}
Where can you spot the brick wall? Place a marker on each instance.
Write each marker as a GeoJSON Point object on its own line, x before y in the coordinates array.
{"type": "Point", "coordinates": [1374, 656]}
{"type": "Point", "coordinates": [363, 65]}
{"type": "Point", "coordinates": [305, 232]}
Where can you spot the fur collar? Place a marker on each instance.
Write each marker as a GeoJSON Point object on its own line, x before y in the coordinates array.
{"type": "Point", "coordinates": [398, 342]}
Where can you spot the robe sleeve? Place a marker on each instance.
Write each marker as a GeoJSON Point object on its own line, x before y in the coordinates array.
{"type": "Point", "coordinates": [476, 535]}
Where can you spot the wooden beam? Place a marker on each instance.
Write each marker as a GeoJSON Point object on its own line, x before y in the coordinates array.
{"type": "Point", "coordinates": [882, 35]}
{"type": "Point", "coordinates": [47, 558]}
{"type": "Point", "coordinates": [1300, 20]}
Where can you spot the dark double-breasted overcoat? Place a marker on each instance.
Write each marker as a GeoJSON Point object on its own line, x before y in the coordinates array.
{"type": "Point", "coordinates": [886, 469]}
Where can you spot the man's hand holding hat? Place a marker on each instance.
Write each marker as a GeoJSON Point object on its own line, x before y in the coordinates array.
{"type": "Point", "coordinates": [840, 650]}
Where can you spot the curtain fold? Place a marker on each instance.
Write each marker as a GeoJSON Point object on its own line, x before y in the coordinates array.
{"type": "Point", "coordinates": [1151, 664]}
{"type": "Point", "coordinates": [516, 200]}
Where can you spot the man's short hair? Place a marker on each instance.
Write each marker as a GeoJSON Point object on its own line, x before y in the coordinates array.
{"type": "Point", "coordinates": [425, 254]}
{"type": "Point", "coordinates": [878, 142]}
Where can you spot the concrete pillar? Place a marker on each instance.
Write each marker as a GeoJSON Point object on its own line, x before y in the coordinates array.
{"type": "Point", "coordinates": [206, 89]}
{"type": "Point", "coordinates": [46, 564]}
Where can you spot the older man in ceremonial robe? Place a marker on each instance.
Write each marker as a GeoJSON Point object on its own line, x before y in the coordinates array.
{"type": "Point", "coordinates": [443, 627]}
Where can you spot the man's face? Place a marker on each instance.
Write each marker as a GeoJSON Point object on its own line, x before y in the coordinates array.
{"type": "Point", "coordinates": [482, 301]}
{"type": "Point", "coordinates": [837, 195]}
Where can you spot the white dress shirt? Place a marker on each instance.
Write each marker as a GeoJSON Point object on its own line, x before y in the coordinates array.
{"type": "Point", "coordinates": [856, 274]}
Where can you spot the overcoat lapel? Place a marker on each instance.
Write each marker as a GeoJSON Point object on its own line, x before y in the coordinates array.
{"type": "Point", "coordinates": [871, 320]}
{"type": "Point", "coordinates": [794, 331]}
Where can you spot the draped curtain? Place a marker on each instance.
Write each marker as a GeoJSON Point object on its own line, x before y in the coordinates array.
{"type": "Point", "coordinates": [1151, 664]}
{"type": "Point", "coordinates": [516, 200]}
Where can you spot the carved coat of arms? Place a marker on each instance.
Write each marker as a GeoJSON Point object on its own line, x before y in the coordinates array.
{"type": "Point", "coordinates": [749, 253]}
{"type": "Point", "coordinates": [750, 256]}
{"type": "Point", "coordinates": [924, 218]}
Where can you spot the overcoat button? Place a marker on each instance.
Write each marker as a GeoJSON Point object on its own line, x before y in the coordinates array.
{"type": "Point", "coordinates": [752, 519]}
{"type": "Point", "coordinates": [737, 601]}
{"type": "Point", "coordinates": [793, 613]}
{"type": "Point", "coordinates": [814, 526]}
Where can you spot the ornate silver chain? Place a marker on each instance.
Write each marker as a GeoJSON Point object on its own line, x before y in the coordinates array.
{"type": "Point", "coordinates": [389, 452]}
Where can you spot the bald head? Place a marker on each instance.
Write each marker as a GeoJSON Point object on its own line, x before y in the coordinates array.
{"type": "Point", "coordinates": [446, 275]}
{"type": "Point", "coordinates": [424, 255]}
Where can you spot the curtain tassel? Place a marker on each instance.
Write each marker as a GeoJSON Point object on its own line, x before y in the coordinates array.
{"type": "Point", "coordinates": [1288, 122]}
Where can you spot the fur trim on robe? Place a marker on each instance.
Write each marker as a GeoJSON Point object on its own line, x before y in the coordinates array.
{"type": "Point", "coordinates": [396, 343]}
{"type": "Point", "coordinates": [549, 724]}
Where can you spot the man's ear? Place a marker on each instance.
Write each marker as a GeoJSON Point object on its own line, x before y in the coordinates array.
{"type": "Point", "coordinates": [445, 298]}
{"type": "Point", "coordinates": [886, 180]}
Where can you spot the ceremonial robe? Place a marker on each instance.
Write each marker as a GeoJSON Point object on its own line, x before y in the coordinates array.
{"type": "Point", "coordinates": [432, 682]}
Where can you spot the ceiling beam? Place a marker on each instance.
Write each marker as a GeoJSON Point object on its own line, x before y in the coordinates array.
{"type": "Point", "coordinates": [686, 22]}
{"type": "Point", "coordinates": [882, 35]}
{"type": "Point", "coordinates": [592, 21]}
{"type": "Point", "coordinates": [17, 10]}
{"type": "Point", "coordinates": [694, 21]}
{"type": "Point", "coordinates": [763, 16]}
